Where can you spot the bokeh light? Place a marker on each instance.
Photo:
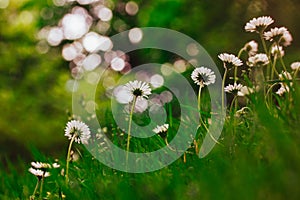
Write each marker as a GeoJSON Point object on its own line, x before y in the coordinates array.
{"type": "Point", "coordinates": [91, 62]}
{"type": "Point", "coordinates": [180, 66]}
{"type": "Point", "coordinates": [74, 26]}
{"type": "Point", "coordinates": [131, 8]}
{"type": "Point", "coordinates": [156, 80]}
{"type": "Point", "coordinates": [192, 49]}
{"type": "Point", "coordinates": [135, 35]}
{"type": "Point", "coordinates": [166, 96]}
{"type": "Point", "coordinates": [117, 64]}
{"type": "Point", "coordinates": [71, 51]}
{"type": "Point", "coordinates": [104, 14]}
{"type": "Point", "coordinates": [166, 69]}
{"type": "Point", "coordinates": [55, 36]}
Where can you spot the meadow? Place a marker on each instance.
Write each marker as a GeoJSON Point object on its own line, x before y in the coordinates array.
{"type": "Point", "coordinates": [225, 124]}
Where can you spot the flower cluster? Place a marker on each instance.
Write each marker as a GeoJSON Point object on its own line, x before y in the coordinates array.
{"type": "Point", "coordinates": [39, 169]}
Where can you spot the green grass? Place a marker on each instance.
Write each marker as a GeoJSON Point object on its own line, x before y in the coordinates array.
{"type": "Point", "coordinates": [261, 161]}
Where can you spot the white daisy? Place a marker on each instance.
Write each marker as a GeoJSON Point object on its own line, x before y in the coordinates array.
{"type": "Point", "coordinates": [285, 76]}
{"type": "Point", "coordinates": [55, 165]}
{"type": "Point", "coordinates": [251, 47]}
{"type": "Point", "coordinates": [279, 34]}
{"type": "Point", "coordinates": [161, 130]}
{"type": "Point", "coordinates": [277, 50]}
{"type": "Point", "coordinates": [258, 24]}
{"type": "Point", "coordinates": [203, 76]}
{"type": "Point", "coordinates": [137, 89]}
{"type": "Point", "coordinates": [231, 59]}
{"type": "Point", "coordinates": [286, 39]}
{"type": "Point", "coordinates": [260, 59]}
{"type": "Point", "coordinates": [246, 91]}
{"type": "Point", "coordinates": [283, 89]}
{"type": "Point", "coordinates": [79, 129]}
{"type": "Point", "coordinates": [295, 66]}
{"type": "Point", "coordinates": [234, 89]}
{"type": "Point", "coordinates": [38, 172]}
{"type": "Point", "coordinates": [40, 165]}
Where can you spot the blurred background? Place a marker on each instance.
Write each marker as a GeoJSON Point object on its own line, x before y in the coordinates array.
{"type": "Point", "coordinates": [34, 75]}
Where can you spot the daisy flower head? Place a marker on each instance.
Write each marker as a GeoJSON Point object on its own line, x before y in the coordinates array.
{"type": "Point", "coordinates": [138, 89]}
{"type": "Point", "coordinates": [203, 76]}
{"type": "Point", "coordinates": [260, 59]}
{"type": "Point", "coordinates": [251, 47]}
{"type": "Point", "coordinates": [79, 130]}
{"type": "Point", "coordinates": [234, 89]}
{"type": "Point", "coordinates": [279, 35]}
{"type": "Point", "coordinates": [41, 165]}
{"type": "Point", "coordinates": [283, 89]}
{"type": "Point", "coordinates": [161, 130]}
{"type": "Point", "coordinates": [295, 66]}
{"type": "Point", "coordinates": [230, 59]}
{"type": "Point", "coordinates": [285, 76]}
{"type": "Point", "coordinates": [246, 91]}
{"type": "Point", "coordinates": [277, 51]}
{"type": "Point", "coordinates": [286, 39]}
{"type": "Point", "coordinates": [258, 24]}
{"type": "Point", "coordinates": [38, 172]}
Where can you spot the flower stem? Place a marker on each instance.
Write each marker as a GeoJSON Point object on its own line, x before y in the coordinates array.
{"type": "Point", "coordinates": [263, 43]}
{"type": "Point", "coordinates": [274, 67]}
{"type": "Point", "coordinates": [199, 102]}
{"type": "Point", "coordinates": [129, 127]}
{"type": "Point", "coordinates": [267, 53]}
{"type": "Point", "coordinates": [41, 187]}
{"type": "Point", "coordinates": [68, 158]}
{"type": "Point", "coordinates": [35, 189]}
{"type": "Point", "coordinates": [235, 74]}
{"type": "Point", "coordinates": [240, 52]}
{"type": "Point", "coordinates": [223, 86]}
{"type": "Point", "coordinates": [281, 60]}
{"type": "Point", "coordinates": [296, 73]}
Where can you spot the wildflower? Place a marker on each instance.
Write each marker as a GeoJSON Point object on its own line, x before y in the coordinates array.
{"type": "Point", "coordinates": [258, 24]}
{"type": "Point", "coordinates": [251, 47]}
{"type": "Point", "coordinates": [55, 165]}
{"type": "Point", "coordinates": [203, 76]}
{"type": "Point", "coordinates": [40, 165]}
{"type": "Point", "coordinates": [285, 76]}
{"type": "Point", "coordinates": [246, 91]}
{"type": "Point", "coordinates": [260, 59]}
{"type": "Point", "coordinates": [79, 130]}
{"type": "Point", "coordinates": [286, 39]}
{"type": "Point", "coordinates": [277, 50]}
{"type": "Point", "coordinates": [38, 172]}
{"type": "Point", "coordinates": [231, 59]}
{"type": "Point", "coordinates": [161, 130]}
{"type": "Point", "coordinates": [295, 66]}
{"type": "Point", "coordinates": [283, 89]}
{"type": "Point", "coordinates": [280, 35]}
{"type": "Point", "coordinates": [137, 89]}
{"type": "Point", "coordinates": [234, 89]}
